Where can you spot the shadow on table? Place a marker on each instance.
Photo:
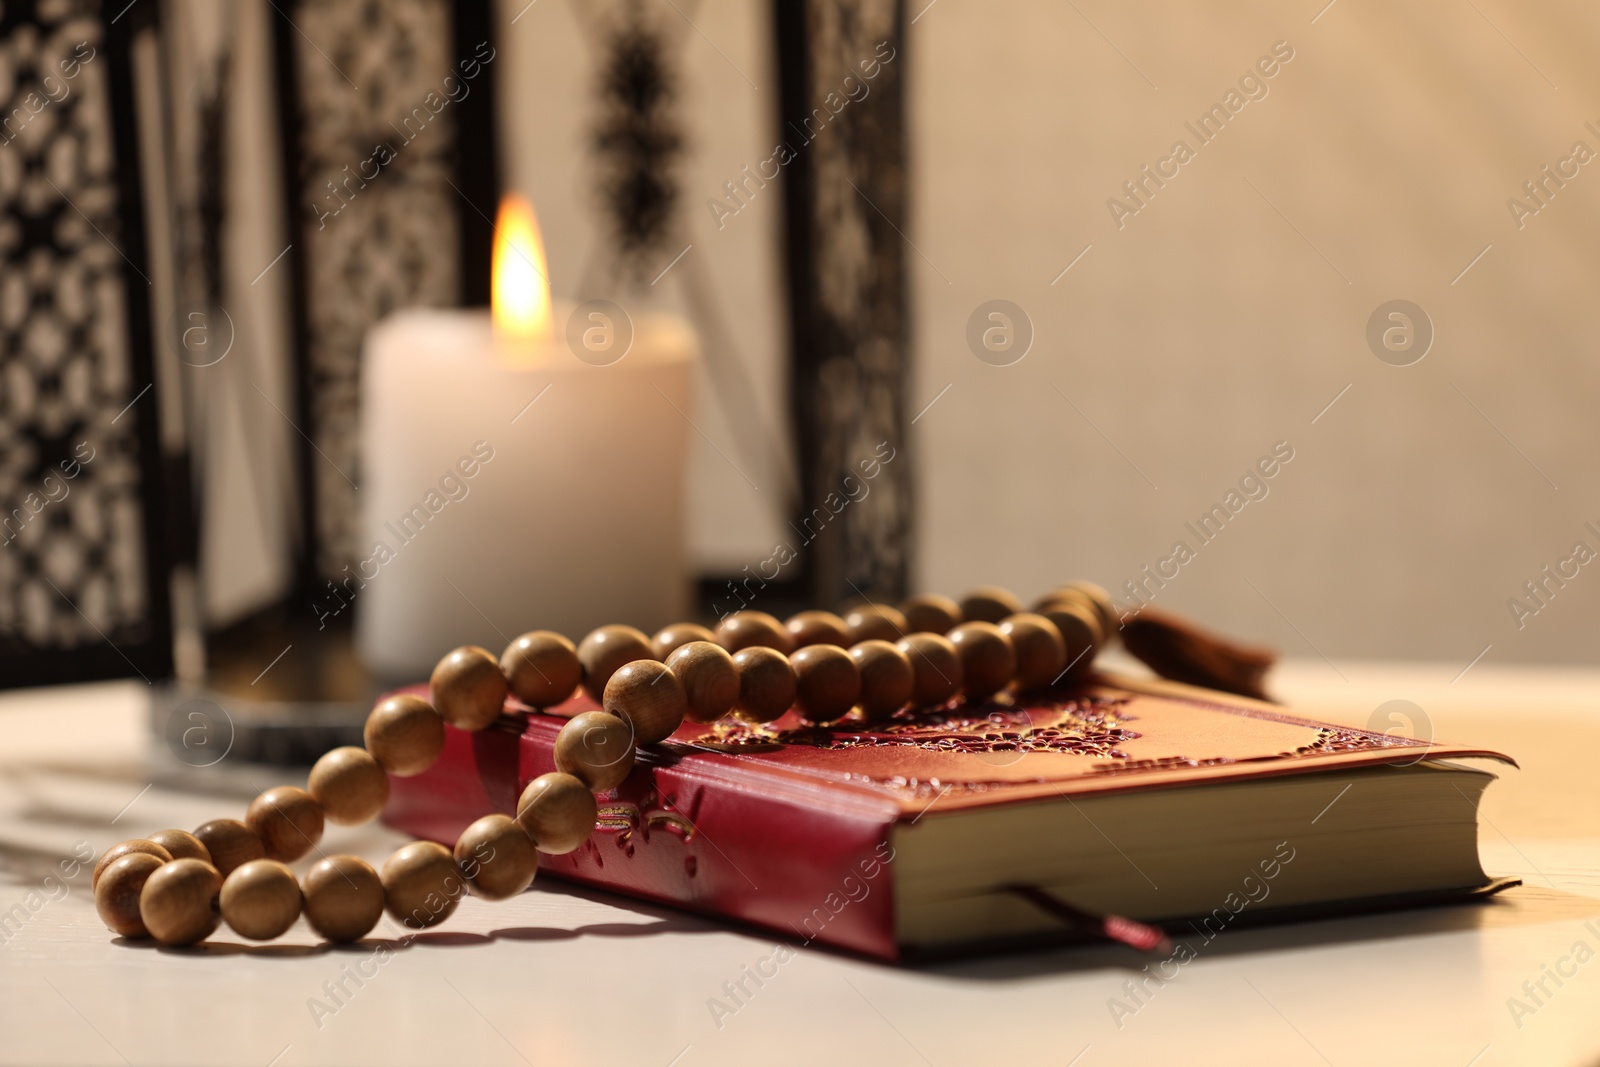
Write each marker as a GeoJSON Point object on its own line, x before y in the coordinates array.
{"type": "Point", "coordinates": [1523, 906]}
{"type": "Point", "coordinates": [1518, 906]}
{"type": "Point", "coordinates": [663, 921]}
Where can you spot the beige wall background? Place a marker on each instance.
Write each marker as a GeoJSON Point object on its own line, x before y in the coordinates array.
{"type": "Point", "coordinates": [1222, 318]}
{"type": "Point", "coordinates": [1229, 312]}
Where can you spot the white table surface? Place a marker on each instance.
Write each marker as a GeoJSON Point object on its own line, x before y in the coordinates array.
{"type": "Point", "coordinates": [563, 976]}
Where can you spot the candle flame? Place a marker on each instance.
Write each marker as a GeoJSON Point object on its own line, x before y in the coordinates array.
{"type": "Point", "coordinates": [520, 281]}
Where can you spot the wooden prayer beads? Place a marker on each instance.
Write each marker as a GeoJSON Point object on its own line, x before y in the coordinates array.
{"type": "Point", "coordinates": [935, 668]}
{"type": "Point", "coordinates": [183, 845]}
{"type": "Point", "coordinates": [117, 851]}
{"type": "Point", "coordinates": [710, 682]}
{"type": "Point", "coordinates": [405, 735]}
{"type": "Point", "coordinates": [350, 785]}
{"type": "Point", "coordinates": [178, 904]}
{"type": "Point", "coordinates": [1041, 654]}
{"type": "Point", "coordinates": [987, 659]}
{"type": "Point", "coordinates": [874, 622]}
{"type": "Point", "coordinates": [116, 894]}
{"type": "Point", "coordinates": [827, 682]}
{"type": "Point", "coordinates": [989, 603]}
{"type": "Point", "coordinates": [604, 651]}
{"type": "Point", "coordinates": [421, 885]}
{"type": "Point", "coordinates": [887, 678]}
{"type": "Point", "coordinates": [817, 628]}
{"type": "Point", "coordinates": [931, 613]}
{"type": "Point", "coordinates": [1080, 630]}
{"type": "Point", "coordinates": [747, 629]}
{"type": "Point", "coordinates": [671, 638]}
{"type": "Point", "coordinates": [542, 668]}
{"type": "Point", "coordinates": [287, 820]}
{"type": "Point", "coordinates": [231, 844]}
{"type": "Point", "coordinates": [260, 900]}
{"type": "Point", "coordinates": [872, 663]}
{"type": "Point", "coordinates": [596, 748]}
{"type": "Point", "coordinates": [558, 812]}
{"type": "Point", "coordinates": [497, 857]}
{"type": "Point", "coordinates": [767, 685]}
{"type": "Point", "coordinates": [343, 898]}
{"type": "Point", "coordinates": [648, 697]}
{"type": "Point", "coordinates": [1100, 600]}
{"type": "Point", "coordinates": [469, 688]}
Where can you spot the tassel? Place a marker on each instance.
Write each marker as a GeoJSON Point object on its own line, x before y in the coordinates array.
{"type": "Point", "coordinates": [1176, 648]}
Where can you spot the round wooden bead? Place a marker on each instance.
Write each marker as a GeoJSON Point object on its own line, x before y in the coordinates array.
{"type": "Point", "coordinates": [181, 844]}
{"type": "Point", "coordinates": [496, 857]}
{"type": "Point", "coordinates": [231, 844]}
{"type": "Point", "coordinates": [1090, 597]}
{"type": "Point", "coordinates": [117, 851]}
{"type": "Point", "coordinates": [874, 622]}
{"type": "Point", "coordinates": [827, 682]}
{"type": "Point", "coordinates": [887, 678]}
{"type": "Point", "coordinates": [1100, 600]}
{"type": "Point", "coordinates": [989, 603]}
{"type": "Point", "coordinates": [1075, 620]}
{"type": "Point", "coordinates": [671, 638]}
{"type": "Point", "coordinates": [1063, 594]}
{"type": "Point", "coordinates": [421, 885]}
{"type": "Point", "coordinates": [350, 785]}
{"type": "Point", "coordinates": [558, 812]}
{"type": "Point", "coordinates": [343, 898]}
{"type": "Point", "coordinates": [604, 651]}
{"type": "Point", "coordinates": [931, 613]}
{"type": "Point", "coordinates": [988, 662]}
{"type": "Point", "coordinates": [116, 892]}
{"type": "Point", "coordinates": [405, 735]}
{"type": "Point", "coordinates": [469, 688]}
{"type": "Point", "coordinates": [597, 749]}
{"type": "Point", "coordinates": [178, 904]}
{"type": "Point", "coordinates": [649, 698]}
{"type": "Point", "coordinates": [751, 629]}
{"type": "Point", "coordinates": [288, 821]}
{"type": "Point", "coordinates": [817, 628]}
{"type": "Point", "coordinates": [767, 685]}
{"type": "Point", "coordinates": [260, 900]}
{"type": "Point", "coordinates": [935, 668]}
{"type": "Point", "coordinates": [1041, 653]}
{"type": "Point", "coordinates": [710, 683]}
{"type": "Point", "coordinates": [541, 668]}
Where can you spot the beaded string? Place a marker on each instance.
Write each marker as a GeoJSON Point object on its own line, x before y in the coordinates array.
{"type": "Point", "coordinates": [177, 887]}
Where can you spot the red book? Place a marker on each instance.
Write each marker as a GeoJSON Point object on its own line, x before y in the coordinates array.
{"type": "Point", "coordinates": [1088, 812]}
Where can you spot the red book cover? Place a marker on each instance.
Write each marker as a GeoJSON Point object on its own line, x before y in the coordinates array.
{"type": "Point", "coordinates": [787, 826]}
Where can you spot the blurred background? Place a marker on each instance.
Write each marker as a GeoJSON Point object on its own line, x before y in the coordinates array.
{"type": "Point", "coordinates": [1069, 280]}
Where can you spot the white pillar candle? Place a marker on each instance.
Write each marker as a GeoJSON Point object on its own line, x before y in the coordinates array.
{"type": "Point", "coordinates": [502, 497]}
{"type": "Point", "coordinates": [509, 485]}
